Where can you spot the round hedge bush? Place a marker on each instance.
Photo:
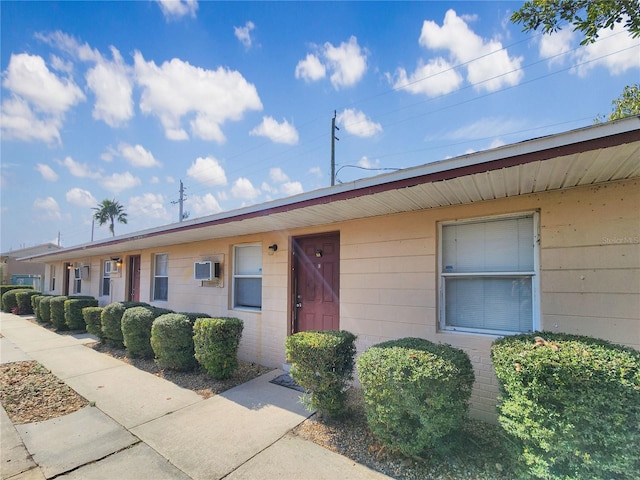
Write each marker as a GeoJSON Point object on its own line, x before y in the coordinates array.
{"type": "Point", "coordinates": [73, 312]}
{"type": "Point", "coordinates": [136, 331]}
{"type": "Point", "coordinates": [172, 342]}
{"type": "Point", "coordinates": [415, 393]}
{"type": "Point", "coordinates": [112, 321]}
{"type": "Point", "coordinates": [23, 299]}
{"type": "Point", "coordinates": [44, 309]}
{"type": "Point", "coordinates": [56, 305]}
{"type": "Point", "coordinates": [92, 317]}
{"type": "Point", "coordinates": [10, 300]}
{"type": "Point", "coordinates": [571, 405]}
{"type": "Point", "coordinates": [322, 362]}
{"type": "Point", "coordinates": [216, 342]}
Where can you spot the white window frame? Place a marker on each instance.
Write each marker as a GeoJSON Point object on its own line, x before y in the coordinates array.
{"type": "Point", "coordinates": [236, 249]}
{"type": "Point", "coordinates": [52, 280]}
{"type": "Point", "coordinates": [156, 276]}
{"type": "Point", "coordinates": [534, 275]}
{"type": "Point", "coordinates": [106, 275]}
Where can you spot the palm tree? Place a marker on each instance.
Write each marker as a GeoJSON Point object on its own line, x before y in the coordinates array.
{"type": "Point", "coordinates": [109, 211]}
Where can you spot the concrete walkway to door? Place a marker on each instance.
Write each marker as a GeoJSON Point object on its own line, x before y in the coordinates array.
{"type": "Point", "coordinates": [144, 427]}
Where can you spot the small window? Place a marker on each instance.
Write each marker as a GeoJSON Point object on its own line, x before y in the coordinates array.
{"type": "Point", "coordinates": [161, 277]}
{"type": "Point", "coordinates": [52, 284]}
{"type": "Point", "coordinates": [247, 276]}
{"type": "Point", "coordinates": [106, 278]}
{"type": "Point", "coordinates": [488, 275]}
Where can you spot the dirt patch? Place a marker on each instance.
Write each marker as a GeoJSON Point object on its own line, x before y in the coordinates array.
{"type": "Point", "coordinates": [31, 393]}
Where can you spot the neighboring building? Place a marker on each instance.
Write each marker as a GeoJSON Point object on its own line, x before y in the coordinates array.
{"type": "Point", "coordinates": [543, 234]}
{"type": "Point", "coordinates": [15, 272]}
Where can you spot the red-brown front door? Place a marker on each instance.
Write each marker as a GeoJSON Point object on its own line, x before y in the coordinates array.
{"type": "Point", "coordinates": [134, 279]}
{"type": "Point", "coordinates": [316, 282]}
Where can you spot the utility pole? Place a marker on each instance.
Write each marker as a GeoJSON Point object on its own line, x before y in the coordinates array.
{"type": "Point", "coordinates": [333, 148]}
{"type": "Point", "coordinates": [180, 202]}
{"type": "Point", "coordinates": [181, 199]}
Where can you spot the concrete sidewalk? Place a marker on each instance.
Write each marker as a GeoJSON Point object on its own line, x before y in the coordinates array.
{"type": "Point", "coordinates": [144, 427]}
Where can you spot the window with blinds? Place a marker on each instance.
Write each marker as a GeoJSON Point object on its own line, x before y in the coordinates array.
{"type": "Point", "coordinates": [247, 276]}
{"type": "Point", "coordinates": [488, 275]}
{"type": "Point", "coordinates": [161, 276]}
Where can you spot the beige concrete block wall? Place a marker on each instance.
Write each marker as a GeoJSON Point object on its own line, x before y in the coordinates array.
{"type": "Point", "coordinates": [589, 268]}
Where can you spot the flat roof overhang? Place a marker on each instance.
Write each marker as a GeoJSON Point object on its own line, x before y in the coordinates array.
{"type": "Point", "coordinates": [588, 156]}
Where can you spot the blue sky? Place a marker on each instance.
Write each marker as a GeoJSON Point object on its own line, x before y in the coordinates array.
{"type": "Point", "coordinates": [122, 100]}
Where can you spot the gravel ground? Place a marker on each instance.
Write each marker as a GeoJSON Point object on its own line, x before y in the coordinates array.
{"type": "Point", "coordinates": [479, 454]}
{"type": "Point", "coordinates": [31, 393]}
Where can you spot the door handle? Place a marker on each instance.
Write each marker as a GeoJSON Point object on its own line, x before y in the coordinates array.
{"type": "Point", "coordinates": [299, 305]}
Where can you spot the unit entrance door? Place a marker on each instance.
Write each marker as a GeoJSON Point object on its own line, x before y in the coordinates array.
{"type": "Point", "coordinates": [133, 295]}
{"type": "Point", "coordinates": [316, 282]}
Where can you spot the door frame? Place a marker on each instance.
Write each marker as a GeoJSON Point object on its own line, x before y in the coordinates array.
{"type": "Point", "coordinates": [132, 279]}
{"type": "Point", "coordinates": [292, 328]}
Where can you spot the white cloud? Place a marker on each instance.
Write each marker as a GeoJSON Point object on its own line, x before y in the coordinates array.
{"type": "Point", "coordinates": [176, 89]}
{"type": "Point", "coordinates": [437, 77]}
{"type": "Point", "coordinates": [137, 156]}
{"type": "Point", "coordinates": [244, 33]}
{"type": "Point", "coordinates": [170, 179]}
{"type": "Point", "coordinates": [200, 206]}
{"type": "Point", "coordinates": [153, 180]}
{"type": "Point", "coordinates": [48, 207]}
{"type": "Point", "coordinates": [207, 170]}
{"type": "Point", "coordinates": [70, 45]}
{"type": "Point", "coordinates": [81, 198]}
{"type": "Point", "coordinates": [19, 122]}
{"type": "Point", "coordinates": [489, 66]}
{"type": "Point", "coordinates": [291, 188]}
{"type": "Point", "coordinates": [265, 187]}
{"type": "Point", "coordinates": [118, 182]}
{"type": "Point", "coordinates": [80, 170]}
{"type": "Point", "coordinates": [317, 171]}
{"type": "Point", "coordinates": [242, 188]}
{"type": "Point", "coordinates": [28, 77]}
{"type": "Point", "coordinates": [174, 9]}
{"type": "Point", "coordinates": [484, 128]}
{"type": "Point", "coordinates": [347, 63]}
{"type": "Point", "coordinates": [364, 162]}
{"type": "Point", "coordinates": [277, 132]}
{"type": "Point", "coordinates": [148, 205]}
{"type": "Point", "coordinates": [277, 175]}
{"type": "Point", "coordinates": [38, 100]}
{"type": "Point", "coordinates": [310, 69]}
{"type": "Point", "coordinates": [615, 51]}
{"type": "Point", "coordinates": [47, 172]}
{"type": "Point", "coordinates": [555, 45]}
{"type": "Point", "coordinates": [112, 85]}
{"type": "Point", "coordinates": [356, 123]}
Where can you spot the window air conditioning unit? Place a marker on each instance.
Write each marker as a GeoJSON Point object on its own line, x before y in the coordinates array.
{"type": "Point", "coordinates": [82, 272]}
{"type": "Point", "coordinates": [206, 270]}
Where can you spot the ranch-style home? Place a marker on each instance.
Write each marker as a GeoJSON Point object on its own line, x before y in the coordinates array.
{"type": "Point", "coordinates": [542, 234]}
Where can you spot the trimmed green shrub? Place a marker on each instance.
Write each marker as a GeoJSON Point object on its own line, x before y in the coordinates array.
{"type": "Point", "coordinates": [172, 342]}
{"type": "Point", "coordinates": [44, 309]}
{"type": "Point", "coordinates": [73, 312]}
{"type": "Point", "coordinates": [34, 304]}
{"type": "Point", "coordinates": [571, 405]}
{"type": "Point", "coordinates": [193, 316]}
{"type": "Point", "coordinates": [6, 288]}
{"type": "Point", "coordinates": [23, 297]}
{"type": "Point", "coordinates": [56, 305]}
{"type": "Point", "coordinates": [322, 362]}
{"type": "Point", "coordinates": [111, 321]}
{"type": "Point", "coordinates": [10, 299]}
{"type": "Point", "coordinates": [136, 329]}
{"type": "Point", "coordinates": [416, 393]}
{"type": "Point", "coordinates": [216, 342]}
{"type": "Point", "coordinates": [92, 317]}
